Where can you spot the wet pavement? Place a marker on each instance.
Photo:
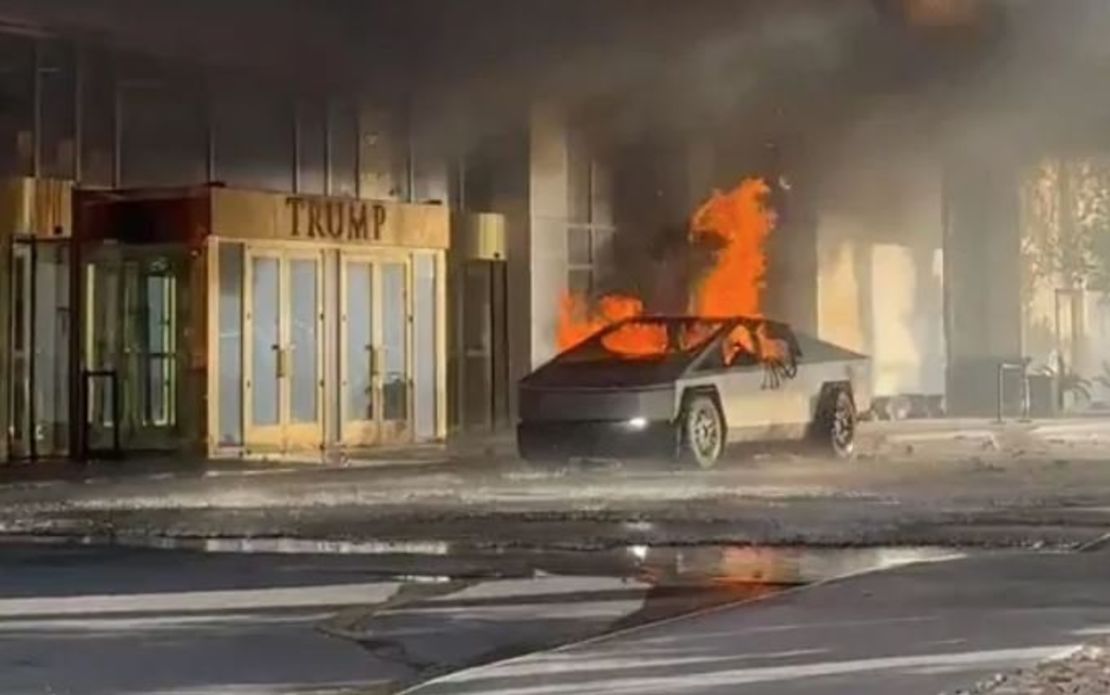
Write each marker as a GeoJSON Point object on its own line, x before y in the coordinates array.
{"type": "Point", "coordinates": [968, 484]}
{"type": "Point", "coordinates": [922, 629]}
{"type": "Point", "coordinates": [93, 620]}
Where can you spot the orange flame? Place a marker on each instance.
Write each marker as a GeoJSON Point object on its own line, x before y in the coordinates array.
{"type": "Point", "coordinates": [578, 321]}
{"type": "Point", "coordinates": [740, 222]}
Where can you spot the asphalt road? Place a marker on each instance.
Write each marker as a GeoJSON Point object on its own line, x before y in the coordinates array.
{"type": "Point", "coordinates": [919, 630]}
{"type": "Point", "coordinates": [86, 621]}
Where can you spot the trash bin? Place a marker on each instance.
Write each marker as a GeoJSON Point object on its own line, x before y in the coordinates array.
{"type": "Point", "coordinates": [1042, 395]}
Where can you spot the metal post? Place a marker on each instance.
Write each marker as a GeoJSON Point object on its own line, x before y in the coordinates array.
{"type": "Point", "coordinates": [114, 381]}
{"type": "Point", "coordinates": [31, 420]}
{"type": "Point", "coordinates": [1001, 389]}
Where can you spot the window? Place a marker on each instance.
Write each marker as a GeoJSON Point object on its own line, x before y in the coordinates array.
{"type": "Point", "coordinates": [162, 130]}
{"type": "Point", "coordinates": [342, 149]}
{"type": "Point", "coordinates": [17, 56]}
{"type": "Point", "coordinates": [590, 228]}
{"type": "Point", "coordinates": [311, 146]}
{"type": "Point", "coordinates": [97, 120]}
{"type": "Point", "coordinates": [56, 109]}
{"type": "Point", "coordinates": [384, 154]}
{"type": "Point", "coordinates": [254, 134]}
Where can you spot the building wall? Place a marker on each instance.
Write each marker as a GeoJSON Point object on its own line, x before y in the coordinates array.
{"type": "Point", "coordinates": [879, 239]}
{"type": "Point", "coordinates": [108, 118]}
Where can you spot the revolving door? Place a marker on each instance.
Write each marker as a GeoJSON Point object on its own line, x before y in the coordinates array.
{"type": "Point", "coordinates": [135, 347]}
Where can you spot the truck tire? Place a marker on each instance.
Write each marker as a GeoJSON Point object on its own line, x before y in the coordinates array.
{"type": "Point", "coordinates": [702, 432]}
{"type": "Point", "coordinates": [834, 430]}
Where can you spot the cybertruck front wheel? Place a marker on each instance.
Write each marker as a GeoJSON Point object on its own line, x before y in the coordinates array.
{"type": "Point", "coordinates": [702, 432]}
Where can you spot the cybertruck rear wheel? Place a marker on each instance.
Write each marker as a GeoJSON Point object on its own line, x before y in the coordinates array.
{"type": "Point", "coordinates": [703, 432]}
{"type": "Point", "coordinates": [834, 430]}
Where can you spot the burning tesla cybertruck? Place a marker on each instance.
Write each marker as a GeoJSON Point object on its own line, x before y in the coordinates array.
{"type": "Point", "coordinates": [685, 386]}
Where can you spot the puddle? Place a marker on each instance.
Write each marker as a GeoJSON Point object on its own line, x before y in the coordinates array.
{"type": "Point", "coordinates": [438, 561]}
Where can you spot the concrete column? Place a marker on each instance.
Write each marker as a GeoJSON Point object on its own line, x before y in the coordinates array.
{"type": "Point", "coordinates": [982, 282]}
{"type": "Point", "coordinates": [547, 212]}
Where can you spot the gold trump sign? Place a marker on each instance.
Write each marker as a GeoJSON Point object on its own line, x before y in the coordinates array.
{"type": "Point", "coordinates": [328, 220]}
{"type": "Point", "coordinates": [336, 219]}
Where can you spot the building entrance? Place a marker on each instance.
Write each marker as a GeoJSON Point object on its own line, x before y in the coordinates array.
{"type": "Point", "coordinates": [136, 307]}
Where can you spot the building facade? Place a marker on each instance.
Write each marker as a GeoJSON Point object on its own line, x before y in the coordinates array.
{"type": "Point", "coordinates": [218, 262]}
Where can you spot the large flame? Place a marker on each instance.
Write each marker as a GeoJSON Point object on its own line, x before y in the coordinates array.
{"type": "Point", "coordinates": [739, 222]}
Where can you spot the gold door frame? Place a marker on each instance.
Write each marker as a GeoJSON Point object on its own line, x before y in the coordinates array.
{"type": "Point", "coordinates": [356, 433]}
{"type": "Point", "coordinates": [284, 434]}
{"type": "Point", "coordinates": [264, 436]}
{"type": "Point", "coordinates": [301, 435]}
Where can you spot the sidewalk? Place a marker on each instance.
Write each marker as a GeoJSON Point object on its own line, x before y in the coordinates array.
{"type": "Point", "coordinates": [925, 482]}
{"type": "Point", "coordinates": [876, 438]}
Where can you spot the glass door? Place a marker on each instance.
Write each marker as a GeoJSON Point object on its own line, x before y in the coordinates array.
{"type": "Point", "coordinates": [133, 364]}
{"type": "Point", "coordinates": [103, 343]}
{"type": "Point", "coordinates": [394, 374]}
{"type": "Point", "coordinates": [302, 357]}
{"type": "Point", "coordinates": [283, 361]}
{"type": "Point", "coordinates": [359, 402]}
{"type": "Point", "coordinates": [375, 372]}
{"type": "Point", "coordinates": [40, 341]}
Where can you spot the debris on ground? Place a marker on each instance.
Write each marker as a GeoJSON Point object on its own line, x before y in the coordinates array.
{"type": "Point", "coordinates": [1085, 671]}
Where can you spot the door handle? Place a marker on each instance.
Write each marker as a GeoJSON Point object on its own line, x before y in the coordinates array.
{"type": "Point", "coordinates": [280, 361]}
{"type": "Point", "coordinates": [372, 353]}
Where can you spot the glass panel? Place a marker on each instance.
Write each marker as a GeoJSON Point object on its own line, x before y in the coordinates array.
{"type": "Point", "coordinates": [303, 340]}
{"type": "Point", "coordinates": [103, 328]}
{"type": "Point", "coordinates": [343, 131]}
{"type": "Point", "coordinates": [163, 138]}
{"type": "Point", "coordinates": [17, 92]}
{"type": "Point", "coordinates": [580, 282]}
{"type": "Point", "coordinates": [160, 310]}
{"type": "Point", "coordinates": [579, 176]}
{"type": "Point", "coordinates": [476, 308]}
{"type": "Point", "coordinates": [424, 346]}
{"type": "Point", "coordinates": [253, 138]}
{"type": "Point", "coordinates": [394, 343]}
{"type": "Point", "coordinates": [56, 89]}
{"type": "Point", "coordinates": [231, 344]}
{"type": "Point", "coordinates": [51, 378]}
{"type": "Point", "coordinates": [155, 312]}
{"type": "Point", "coordinates": [21, 376]}
{"type": "Point", "coordinates": [97, 119]}
{"type": "Point", "coordinates": [579, 246]}
{"type": "Point", "coordinates": [311, 142]}
{"type": "Point", "coordinates": [360, 398]}
{"type": "Point", "coordinates": [265, 340]}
